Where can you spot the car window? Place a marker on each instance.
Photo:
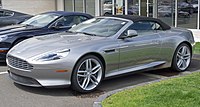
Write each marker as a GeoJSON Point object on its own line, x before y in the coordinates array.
{"type": "Point", "coordinates": [6, 13]}
{"type": "Point", "coordinates": [1, 13]}
{"type": "Point", "coordinates": [71, 20]}
{"type": "Point", "coordinates": [41, 20]}
{"type": "Point", "coordinates": [144, 27]}
{"type": "Point", "coordinates": [83, 18]}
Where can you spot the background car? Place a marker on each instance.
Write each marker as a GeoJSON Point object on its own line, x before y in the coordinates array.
{"type": "Point", "coordinates": [195, 5]}
{"type": "Point", "coordinates": [42, 24]}
{"type": "Point", "coordinates": [166, 11]}
{"type": "Point", "coordinates": [99, 48]}
{"type": "Point", "coordinates": [8, 17]}
{"type": "Point", "coordinates": [186, 7]}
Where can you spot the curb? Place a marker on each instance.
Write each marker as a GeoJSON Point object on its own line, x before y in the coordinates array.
{"type": "Point", "coordinates": [97, 103]}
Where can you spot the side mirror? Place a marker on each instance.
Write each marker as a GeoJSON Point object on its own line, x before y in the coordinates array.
{"type": "Point", "coordinates": [130, 34]}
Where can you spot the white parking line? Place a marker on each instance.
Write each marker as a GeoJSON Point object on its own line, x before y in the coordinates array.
{"type": "Point", "coordinates": [1, 73]}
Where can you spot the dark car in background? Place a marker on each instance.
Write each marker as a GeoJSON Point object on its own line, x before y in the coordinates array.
{"type": "Point", "coordinates": [186, 7]}
{"type": "Point", "coordinates": [195, 5]}
{"type": "Point", "coordinates": [8, 17]}
{"type": "Point", "coordinates": [42, 24]}
{"type": "Point", "coordinates": [166, 11]}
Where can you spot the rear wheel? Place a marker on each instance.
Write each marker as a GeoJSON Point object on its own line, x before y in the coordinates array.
{"type": "Point", "coordinates": [182, 58]}
{"type": "Point", "coordinates": [87, 74]}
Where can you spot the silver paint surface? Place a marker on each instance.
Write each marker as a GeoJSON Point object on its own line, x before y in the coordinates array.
{"type": "Point", "coordinates": [147, 50]}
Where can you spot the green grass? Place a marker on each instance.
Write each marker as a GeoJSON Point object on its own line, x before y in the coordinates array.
{"type": "Point", "coordinates": [197, 48]}
{"type": "Point", "coordinates": [176, 92]}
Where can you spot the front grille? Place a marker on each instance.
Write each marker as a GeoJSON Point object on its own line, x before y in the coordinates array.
{"type": "Point", "coordinates": [24, 80]}
{"type": "Point", "coordinates": [19, 63]}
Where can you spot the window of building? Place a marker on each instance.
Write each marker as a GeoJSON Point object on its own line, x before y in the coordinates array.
{"type": "Point", "coordinates": [69, 5]}
{"type": "Point", "coordinates": [106, 7]}
{"type": "Point", "coordinates": [78, 5]}
{"type": "Point", "coordinates": [133, 7]}
{"type": "Point", "coordinates": [90, 7]}
{"type": "Point", "coordinates": [187, 13]}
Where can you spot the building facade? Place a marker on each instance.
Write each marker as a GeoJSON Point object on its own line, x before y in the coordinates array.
{"type": "Point", "coordinates": [177, 13]}
{"type": "Point", "coordinates": [29, 6]}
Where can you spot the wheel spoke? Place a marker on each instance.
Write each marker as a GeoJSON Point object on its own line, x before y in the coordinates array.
{"type": "Point", "coordinates": [179, 55]}
{"type": "Point", "coordinates": [96, 69]}
{"type": "Point", "coordinates": [95, 80]}
{"type": "Point", "coordinates": [184, 50]}
{"type": "Point", "coordinates": [184, 64]}
{"type": "Point", "coordinates": [84, 82]}
{"type": "Point", "coordinates": [87, 65]}
{"type": "Point", "coordinates": [186, 56]}
{"type": "Point", "coordinates": [90, 64]}
{"type": "Point", "coordinates": [82, 75]}
{"type": "Point", "coordinates": [180, 62]}
{"type": "Point", "coordinates": [88, 80]}
{"type": "Point", "coordinates": [82, 71]}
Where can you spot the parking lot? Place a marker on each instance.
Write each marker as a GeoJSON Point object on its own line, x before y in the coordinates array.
{"type": "Point", "coordinates": [14, 95]}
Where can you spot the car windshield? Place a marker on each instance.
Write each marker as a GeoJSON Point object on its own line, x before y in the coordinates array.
{"type": "Point", "coordinates": [41, 20]}
{"type": "Point", "coordinates": [99, 27]}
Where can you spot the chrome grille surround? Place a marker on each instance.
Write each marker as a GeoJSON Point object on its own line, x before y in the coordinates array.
{"type": "Point", "coordinates": [19, 63]}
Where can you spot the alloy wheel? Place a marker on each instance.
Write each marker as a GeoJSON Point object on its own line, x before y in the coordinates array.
{"type": "Point", "coordinates": [183, 58]}
{"type": "Point", "coordinates": [89, 74]}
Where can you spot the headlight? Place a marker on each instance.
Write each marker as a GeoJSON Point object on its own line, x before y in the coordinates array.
{"type": "Point", "coordinates": [52, 55]}
{"type": "Point", "coordinates": [3, 37]}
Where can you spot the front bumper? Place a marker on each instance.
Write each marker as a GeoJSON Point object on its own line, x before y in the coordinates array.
{"type": "Point", "coordinates": [42, 75]}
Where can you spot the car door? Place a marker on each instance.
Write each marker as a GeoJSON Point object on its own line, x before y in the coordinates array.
{"type": "Point", "coordinates": [142, 49]}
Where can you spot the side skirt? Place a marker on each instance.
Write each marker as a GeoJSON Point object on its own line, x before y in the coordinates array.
{"type": "Point", "coordinates": [135, 69]}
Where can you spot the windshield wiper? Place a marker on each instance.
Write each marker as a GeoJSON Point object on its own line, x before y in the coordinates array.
{"type": "Point", "coordinates": [71, 32]}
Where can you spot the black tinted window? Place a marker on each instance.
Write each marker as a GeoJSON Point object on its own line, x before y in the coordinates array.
{"type": "Point", "coordinates": [6, 13]}
{"type": "Point", "coordinates": [71, 20]}
{"type": "Point", "coordinates": [1, 13]}
{"type": "Point", "coordinates": [145, 25]}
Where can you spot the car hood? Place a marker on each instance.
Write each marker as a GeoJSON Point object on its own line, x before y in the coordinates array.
{"type": "Point", "coordinates": [16, 28]}
{"type": "Point", "coordinates": [55, 42]}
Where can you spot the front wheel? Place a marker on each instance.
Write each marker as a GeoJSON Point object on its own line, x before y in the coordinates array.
{"type": "Point", "coordinates": [87, 74]}
{"type": "Point", "coordinates": [182, 58]}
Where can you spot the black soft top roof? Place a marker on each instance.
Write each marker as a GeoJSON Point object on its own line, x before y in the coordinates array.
{"type": "Point", "coordinates": [142, 18]}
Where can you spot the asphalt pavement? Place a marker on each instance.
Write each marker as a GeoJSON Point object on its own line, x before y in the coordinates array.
{"type": "Point", "coordinates": [14, 95]}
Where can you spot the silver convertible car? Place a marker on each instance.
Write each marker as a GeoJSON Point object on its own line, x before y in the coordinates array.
{"type": "Point", "coordinates": [99, 48]}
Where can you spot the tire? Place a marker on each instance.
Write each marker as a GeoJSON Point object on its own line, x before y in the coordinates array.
{"type": "Point", "coordinates": [182, 58]}
{"type": "Point", "coordinates": [87, 80]}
